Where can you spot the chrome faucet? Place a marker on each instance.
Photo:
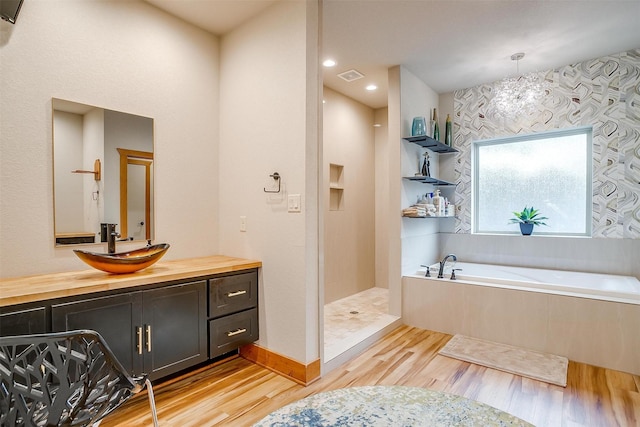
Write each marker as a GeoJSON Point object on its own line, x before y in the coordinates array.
{"type": "Point", "coordinates": [111, 238]}
{"type": "Point", "coordinates": [443, 262]}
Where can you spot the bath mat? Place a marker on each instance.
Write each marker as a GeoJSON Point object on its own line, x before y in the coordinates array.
{"type": "Point", "coordinates": [527, 363]}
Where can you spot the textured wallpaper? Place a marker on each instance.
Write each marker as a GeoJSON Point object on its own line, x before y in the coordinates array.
{"type": "Point", "coordinates": [603, 93]}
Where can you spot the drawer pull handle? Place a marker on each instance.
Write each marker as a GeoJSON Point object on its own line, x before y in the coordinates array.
{"type": "Point", "coordinates": [236, 293]}
{"type": "Point", "coordinates": [236, 332]}
{"type": "Point", "coordinates": [149, 338]}
{"type": "Point", "coordinates": [139, 336]}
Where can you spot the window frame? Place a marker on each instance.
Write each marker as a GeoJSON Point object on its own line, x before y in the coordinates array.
{"type": "Point", "coordinates": [475, 202]}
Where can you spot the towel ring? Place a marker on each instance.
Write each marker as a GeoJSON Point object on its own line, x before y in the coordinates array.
{"type": "Point", "coordinates": [275, 176]}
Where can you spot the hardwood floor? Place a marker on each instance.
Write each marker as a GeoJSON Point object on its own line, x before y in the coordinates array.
{"type": "Point", "coordinates": [239, 393]}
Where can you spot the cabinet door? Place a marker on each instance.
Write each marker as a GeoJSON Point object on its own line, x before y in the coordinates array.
{"type": "Point", "coordinates": [22, 321]}
{"type": "Point", "coordinates": [175, 323]}
{"type": "Point", "coordinates": [116, 317]}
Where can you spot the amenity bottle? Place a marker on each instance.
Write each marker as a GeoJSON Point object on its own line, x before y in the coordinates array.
{"type": "Point", "coordinates": [438, 202]}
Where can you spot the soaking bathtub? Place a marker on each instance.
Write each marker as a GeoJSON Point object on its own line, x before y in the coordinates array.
{"type": "Point", "coordinates": [587, 317]}
{"type": "Point", "coordinates": [607, 287]}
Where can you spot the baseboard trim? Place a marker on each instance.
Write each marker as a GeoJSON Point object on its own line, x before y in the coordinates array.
{"type": "Point", "coordinates": [283, 365]}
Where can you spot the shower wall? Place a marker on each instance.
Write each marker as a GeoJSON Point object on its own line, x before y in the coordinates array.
{"type": "Point", "coordinates": [349, 195]}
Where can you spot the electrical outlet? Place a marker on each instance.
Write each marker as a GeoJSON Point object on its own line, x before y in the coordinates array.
{"type": "Point", "coordinates": [293, 204]}
{"type": "Point", "coordinates": [243, 223]}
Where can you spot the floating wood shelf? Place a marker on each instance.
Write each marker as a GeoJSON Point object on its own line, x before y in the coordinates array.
{"type": "Point", "coordinates": [97, 170]}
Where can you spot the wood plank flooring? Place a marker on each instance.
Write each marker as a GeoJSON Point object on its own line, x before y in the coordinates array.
{"type": "Point", "coordinates": [239, 393]}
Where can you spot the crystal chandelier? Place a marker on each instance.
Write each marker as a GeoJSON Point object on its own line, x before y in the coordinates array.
{"type": "Point", "coordinates": [517, 96]}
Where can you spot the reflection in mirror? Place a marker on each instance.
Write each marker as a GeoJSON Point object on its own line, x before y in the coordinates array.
{"type": "Point", "coordinates": [135, 193]}
{"type": "Point", "coordinates": [88, 177]}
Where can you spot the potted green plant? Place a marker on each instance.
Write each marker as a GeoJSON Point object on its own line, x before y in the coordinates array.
{"type": "Point", "coordinates": [527, 218]}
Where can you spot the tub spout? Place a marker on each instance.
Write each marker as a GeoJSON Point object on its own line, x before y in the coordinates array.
{"type": "Point", "coordinates": [442, 264]}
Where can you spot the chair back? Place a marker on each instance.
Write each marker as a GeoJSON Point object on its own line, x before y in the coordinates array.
{"type": "Point", "coordinates": [60, 379]}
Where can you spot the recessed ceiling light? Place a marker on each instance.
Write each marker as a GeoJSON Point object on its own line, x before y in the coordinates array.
{"type": "Point", "coordinates": [329, 63]}
{"type": "Point", "coordinates": [377, 125]}
{"type": "Point", "coordinates": [371, 87]}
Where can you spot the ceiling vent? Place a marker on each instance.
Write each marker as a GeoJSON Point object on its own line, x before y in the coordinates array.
{"type": "Point", "coordinates": [351, 75]}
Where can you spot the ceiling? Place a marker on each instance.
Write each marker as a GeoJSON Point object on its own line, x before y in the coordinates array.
{"type": "Point", "coordinates": [449, 44]}
{"type": "Point", "coordinates": [216, 16]}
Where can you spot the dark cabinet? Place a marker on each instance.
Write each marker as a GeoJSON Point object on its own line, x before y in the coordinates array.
{"type": "Point", "coordinates": [22, 321]}
{"type": "Point", "coordinates": [115, 317]}
{"type": "Point", "coordinates": [175, 335]}
{"type": "Point", "coordinates": [157, 329]}
{"type": "Point", "coordinates": [233, 312]}
{"type": "Point", "coordinates": [158, 332]}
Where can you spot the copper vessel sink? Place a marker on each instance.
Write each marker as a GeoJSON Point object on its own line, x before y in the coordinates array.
{"type": "Point", "coordinates": [124, 262]}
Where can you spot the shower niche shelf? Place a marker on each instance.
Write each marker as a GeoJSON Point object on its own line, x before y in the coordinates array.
{"type": "Point", "coordinates": [336, 187]}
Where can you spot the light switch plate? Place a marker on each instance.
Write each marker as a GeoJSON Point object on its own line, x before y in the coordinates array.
{"type": "Point", "coordinates": [293, 204]}
{"type": "Point", "coordinates": [243, 223]}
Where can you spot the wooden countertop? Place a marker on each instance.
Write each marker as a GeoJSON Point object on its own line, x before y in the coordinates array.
{"type": "Point", "coordinates": [21, 290]}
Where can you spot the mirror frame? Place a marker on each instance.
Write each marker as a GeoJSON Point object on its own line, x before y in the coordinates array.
{"type": "Point", "coordinates": [142, 158]}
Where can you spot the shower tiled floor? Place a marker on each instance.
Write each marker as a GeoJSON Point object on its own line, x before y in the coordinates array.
{"type": "Point", "coordinates": [353, 319]}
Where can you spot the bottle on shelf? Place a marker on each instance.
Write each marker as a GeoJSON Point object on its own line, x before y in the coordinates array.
{"type": "Point", "coordinates": [438, 202]}
{"type": "Point", "coordinates": [435, 126]}
{"type": "Point", "coordinates": [447, 131]}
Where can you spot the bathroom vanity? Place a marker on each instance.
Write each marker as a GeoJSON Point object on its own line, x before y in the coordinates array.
{"type": "Point", "coordinates": [157, 321]}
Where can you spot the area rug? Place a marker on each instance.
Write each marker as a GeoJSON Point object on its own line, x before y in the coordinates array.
{"type": "Point", "coordinates": [527, 363]}
{"type": "Point", "coordinates": [392, 406]}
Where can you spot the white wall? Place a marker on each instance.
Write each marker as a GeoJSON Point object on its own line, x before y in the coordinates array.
{"type": "Point", "coordinates": [268, 123]}
{"type": "Point", "coordinates": [68, 153]}
{"type": "Point", "coordinates": [126, 56]}
{"type": "Point", "coordinates": [92, 149]}
{"type": "Point", "coordinates": [394, 185]}
{"type": "Point", "coordinates": [381, 118]}
{"type": "Point", "coordinates": [349, 141]}
{"type": "Point", "coordinates": [419, 236]}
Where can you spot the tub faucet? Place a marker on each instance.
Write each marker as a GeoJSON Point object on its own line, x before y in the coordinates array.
{"type": "Point", "coordinates": [112, 235]}
{"type": "Point", "coordinates": [443, 262]}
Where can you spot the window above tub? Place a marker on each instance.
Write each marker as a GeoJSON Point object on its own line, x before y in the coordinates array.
{"type": "Point", "coordinates": [551, 171]}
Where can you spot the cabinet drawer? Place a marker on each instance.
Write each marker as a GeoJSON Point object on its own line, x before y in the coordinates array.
{"type": "Point", "coordinates": [230, 294]}
{"type": "Point", "coordinates": [230, 332]}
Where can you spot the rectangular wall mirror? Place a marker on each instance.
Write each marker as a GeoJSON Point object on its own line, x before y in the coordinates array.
{"type": "Point", "coordinates": [103, 173]}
